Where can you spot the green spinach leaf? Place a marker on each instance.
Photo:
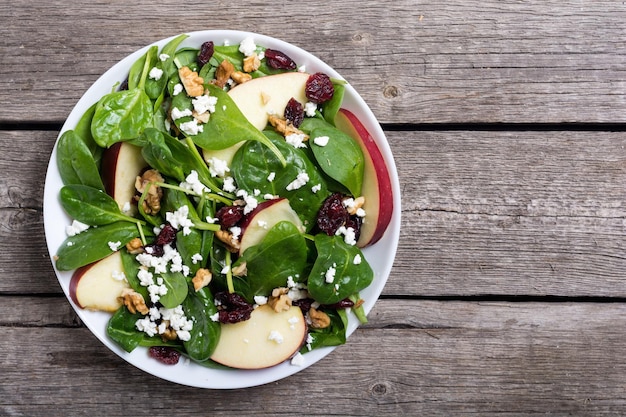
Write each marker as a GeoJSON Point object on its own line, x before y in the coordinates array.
{"type": "Point", "coordinates": [199, 307]}
{"type": "Point", "coordinates": [90, 205]}
{"type": "Point", "coordinates": [177, 289]}
{"type": "Point", "coordinates": [121, 329]}
{"type": "Point", "coordinates": [76, 163]}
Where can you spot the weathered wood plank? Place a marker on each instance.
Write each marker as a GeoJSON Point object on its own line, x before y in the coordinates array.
{"type": "Point", "coordinates": [431, 358]}
{"type": "Point", "coordinates": [517, 213]}
{"type": "Point", "coordinates": [432, 62]}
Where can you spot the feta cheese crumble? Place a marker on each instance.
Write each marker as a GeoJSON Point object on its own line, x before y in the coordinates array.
{"type": "Point", "coordinates": [178, 219]}
{"type": "Point", "coordinates": [296, 140]}
{"type": "Point", "coordinates": [75, 228]}
{"type": "Point", "coordinates": [176, 113]}
{"type": "Point", "coordinates": [357, 259]}
{"type": "Point", "coordinates": [349, 235]}
{"type": "Point", "coordinates": [247, 46]}
{"type": "Point", "coordinates": [155, 73]}
{"type": "Point", "coordinates": [316, 188]}
{"type": "Point", "coordinates": [218, 167]}
{"type": "Point", "coordinates": [260, 300]}
{"type": "Point", "coordinates": [275, 336]}
{"type": "Point", "coordinates": [164, 57]}
{"type": "Point", "coordinates": [229, 185]}
{"type": "Point", "coordinates": [204, 103]}
{"type": "Point", "coordinates": [298, 359]}
{"type": "Point", "coordinates": [191, 127]}
{"type": "Point", "coordinates": [192, 183]}
{"type": "Point", "coordinates": [178, 88]}
{"type": "Point", "coordinates": [114, 246]}
{"type": "Point", "coordinates": [310, 109]}
{"type": "Point", "coordinates": [321, 140]}
{"type": "Point", "coordinates": [299, 182]}
{"type": "Point", "coordinates": [196, 258]}
{"type": "Point", "coordinates": [329, 276]}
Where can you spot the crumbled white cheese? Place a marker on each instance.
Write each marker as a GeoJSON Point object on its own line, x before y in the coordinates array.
{"type": "Point", "coordinates": [211, 220]}
{"type": "Point", "coordinates": [296, 140]}
{"type": "Point", "coordinates": [75, 228]}
{"type": "Point", "coordinates": [247, 46]}
{"type": "Point", "coordinates": [191, 127]}
{"type": "Point", "coordinates": [192, 183]}
{"type": "Point", "coordinates": [176, 113]}
{"type": "Point", "coordinates": [229, 185]}
{"type": "Point", "coordinates": [271, 177]}
{"type": "Point", "coordinates": [251, 201]}
{"type": "Point", "coordinates": [310, 108]}
{"type": "Point", "coordinates": [145, 277]}
{"type": "Point", "coordinates": [262, 223]}
{"type": "Point", "coordinates": [329, 276]}
{"type": "Point", "coordinates": [118, 275]}
{"type": "Point", "coordinates": [298, 359]}
{"type": "Point", "coordinates": [302, 68]}
{"type": "Point", "coordinates": [299, 182]}
{"type": "Point", "coordinates": [126, 207]}
{"type": "Point", "coordinates": [69, 244]}
{"type": "Point", "coordinates": [215, 317]}
{"type": "Point", "coordinates": [270, 197]}
{"type": "Point", "coordinates": [179, 219]}
{"type": "Point", "coordinates": [164, 57]}
{"type": "Point", "coordinates": [357, 259]}
{"type": "Point", "coordinates": [321, 140]}
{"type": "Point", "coordinates": [218, 167]}
{"type": "Point", "coordinates": [309, 341]}
{"type": "Point", "coordinates": [114, 246]}
{"type": "Point", "coordinates": [275, 336]}
{"type": "Point", "coordinates": [204, 103]}
{"type": "Point", "coordinates": [147, 326]}
{"type": "Point", "coordinates": [292, 322]}
{"type": "Point", "coordinates": [348, 233]}
{"type": "Point", "coordinates": [316, 188]}
{"type": "Point", "coordinates": [225, 270]}
{"type": "Point", "coordinates": [196, 258]}
{"type": "Point", "coordinates": [178, 88]}
{"type": "Point", "coordinates": [260, 299]}
{"type": "Point", "coordinates": [236, 231]}
{"type": "Point", "coordinates": [155, 73]}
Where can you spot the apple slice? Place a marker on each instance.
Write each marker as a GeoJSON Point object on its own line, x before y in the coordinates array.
{"type": "Point", "coordinates": [260, 97]}
{"type": "Point", "coordinates": [377, 188]}
{"type": "Point", "coordinates": [94, 287]}
{"type": "Point", "coordinates": [266, 339]}
{"type": "Point", "coordinates": [265, 216]}
{"type": "Point", "coordinates": [121, 163]}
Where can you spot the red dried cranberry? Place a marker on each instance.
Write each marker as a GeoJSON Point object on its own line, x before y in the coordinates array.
{"type": "Point", "coordinates": [294, 112]}
{"type": "Point", "coordinates": [319, 88]}
{"type": "Point", "coordinates": [206, 52]}
{"type": "Point", "coordinates": [229, 216]}
{"type": "Point", "coordinates": [164, 354]}
{"type": "Point", "coordinates": [355, 222]}
{"type": "Point", "coordinates": [304, 304]}
{"type": "Point", "coordinates": [154, 250]}
{"type": "Point", "coordinates": [167, 235]}
{"type": "Point", "coordinates": [279, 60]}
{"type": "Point", "coordinates": [332, 215]}
{"type": "Point", "coordinates": [233, 308]}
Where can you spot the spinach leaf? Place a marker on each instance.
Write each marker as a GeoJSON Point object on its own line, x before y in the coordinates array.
{"type": "Point", "coordinates": [332, 106]}
{"type": "Point", "coordinates": [137, 72]}
{"type": "Point", "coordinates": [90, 205]}
{"type": "Point", "coordinates": [199, 307]}
{"type": "Point", "coordinates": [333, 335]}
{"type": "Point", "coordinates": [177, 289]}
{"type": "Point", "coordinates": [121, 329]}
{"type": "Point", "coordinates": [343, 265]}
{"type": "Point", "coordinates": [83, 130]}
{"type": "Point", "coordinates": [253, 164]}
{"type": "Point", "coordinates": [131, 269]}
{"type": "Point", "coordinates": [268, 266]}
{"type": "Point", "coordinates": [120, 116]}
{"type": "Point", "coordinates": [341, 158]}
{"type": "Point", "coordinates": [228, 126]}
{"type": "Point", "coordinates": [93, 244]}
{"type": "Point", "coordinates": [76, 163]}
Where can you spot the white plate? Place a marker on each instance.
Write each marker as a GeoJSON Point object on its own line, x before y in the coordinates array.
{"type": "Point", "coordinates": [380, 255]}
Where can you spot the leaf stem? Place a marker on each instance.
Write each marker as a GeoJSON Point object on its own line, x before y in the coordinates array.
{"type": "Point", "coordinates": [229, 273]}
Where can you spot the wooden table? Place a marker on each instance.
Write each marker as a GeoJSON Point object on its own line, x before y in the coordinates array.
{"type": "Point", "coordinates": [507, 120]}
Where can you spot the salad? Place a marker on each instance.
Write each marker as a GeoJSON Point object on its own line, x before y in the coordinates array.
{"type": "Point", "coordinates": [220, 199]}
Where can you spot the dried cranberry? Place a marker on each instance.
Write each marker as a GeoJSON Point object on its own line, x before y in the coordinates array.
{"type": "Point", "coordinates": [206, 52]}
{"type": "Point", "coordinates": [279, 60]}
{"type": "Point", "coordinates": [164, 354]}
{"type": "Point", "coordinates": [294, 112]}
{"type": "Point", "coordinates": [167, 235]}
{"type": "Point", "coordinates": [355, 222]}
{"type": "Point", "coordinates": [319, 88]}
{"type": "Point", "coordinates": [332, 215]}
{"type": "Point", "coordinates": [233, 308]}
{"type": "Point", "coordinates": [154, 250]}
{"type": "Point", "coordinates": [304, 304]}
{"type": "Point", "coordinates": [229, 216]}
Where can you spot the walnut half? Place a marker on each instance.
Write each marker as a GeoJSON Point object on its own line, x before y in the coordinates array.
{"type": "Point", "coordinates": [134, 301]}
{"type": "Point", "coordinates": [319, 319]}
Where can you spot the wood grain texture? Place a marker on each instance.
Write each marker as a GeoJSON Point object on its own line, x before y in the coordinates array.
{"type": "Point", "coordinates": [431, 358]}
{"type": "Point", "coordinates": [426, 62]}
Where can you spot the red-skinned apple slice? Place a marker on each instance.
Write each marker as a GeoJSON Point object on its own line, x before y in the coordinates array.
{"type": "Point", "coordinates": [266, 339]}
{"type": "Point", "coordinates": [121, 163]}
{"type": "Point", "coordinates": [93, 286]}
{"type": "Point", "coordinates": [377, 188]}
{"type": "Point", "coordinates": [260, 97]}
{"type": "Point", "coordinates": [266, 215]}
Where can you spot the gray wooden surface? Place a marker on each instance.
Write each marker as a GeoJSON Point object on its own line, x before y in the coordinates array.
{"type": "Point", "coordinates": [507, 121]}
